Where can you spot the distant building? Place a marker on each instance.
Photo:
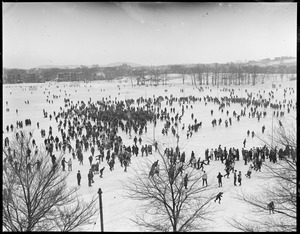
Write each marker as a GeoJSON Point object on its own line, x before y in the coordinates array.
{"type": "Point", "coordinates": [69, 76]}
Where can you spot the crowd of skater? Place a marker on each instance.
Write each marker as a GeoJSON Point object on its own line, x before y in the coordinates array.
{"type": "Point", "coordinates": [89, 132]}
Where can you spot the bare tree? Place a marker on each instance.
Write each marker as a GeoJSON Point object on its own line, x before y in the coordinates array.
{"type": "Point", "coordinates": [166, 205]}
{"type": "Point", "coordinates": [35, 194]}
{"type": "Point", "coordinates": [281, 188]}
{"type": "Point", "coordinates": [193, 73]}
{"type": "Point", "coordinates": [183, 71]}
{"type": "Point", "coordinates": [200, 72]}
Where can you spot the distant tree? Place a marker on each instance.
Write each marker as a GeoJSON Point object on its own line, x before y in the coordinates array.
{"type": "Point", "coordinates": [200, 73]}
{"type": "Point", "coordinates": [35, 197]}
{"type": "Point", "coordinates": [193, 75]}
{"type": "Point", "coordinates": [239, 74]}
{"type": "Point", "coordinates": [165, 73]}
{"type": "Point", "coordinates": [231, 73]}
{"type": "Point", "coordinates": [281, 188]}
{"type": "Point", "coordinates": [216, 72]}
{"type": "Point", "coordinates": [206, 72]}
{"type": "Point", "coordinates": [183, 71]}
{"type": "Point", "coordinates": [282, 71]}
{"type": "Point", "coordinates": [166, 205]}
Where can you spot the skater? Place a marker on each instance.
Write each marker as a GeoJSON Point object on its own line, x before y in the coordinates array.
{"type": "Point", "coordinates": [70, 164]}
{"type": "Point", "coordinates": [90, 178]}
{"type": "Point", "coordinates": [220, 179]}
{"type": "Point", "coordinates": [101, 171]}
{"type": "Point", "coordinates": [240, 178]}
{"type": "Point", "coordinates": [234, 178]}
{"type": "Point", "coordinates": [263, 129]}
{"type": "Point", "coordinates": [185, 181]}
{"type": "Point", "coordinates": [204, 178]}
{"type": "Point", "coordinates": [244, 142]}
{"type": "Point", "coordinates": [271, 207]}
{"type": "Point", "coordinates": [78, 177]}
{"type": "Point", "coordinates": [201, 164]}
{"type": "Point", "coordinates": [218, 197]}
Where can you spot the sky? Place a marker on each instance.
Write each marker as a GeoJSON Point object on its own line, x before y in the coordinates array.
{"type": "Point", "coordinates": [153, 33]}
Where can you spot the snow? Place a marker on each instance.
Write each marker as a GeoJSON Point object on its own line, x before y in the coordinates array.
{"type": "Point", "coordinates": [116, 209]}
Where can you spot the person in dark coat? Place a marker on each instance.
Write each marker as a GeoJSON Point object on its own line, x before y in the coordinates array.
{"type": "Point", "coordinates": [234, 178]}
{"type": "Point", "coordinates": [204, 178]}
{"type": "Point", "coordinates": [271, 207]}
{"type": "Point", "coordinates": [90, 175]}
{"type": "Point", "coordinates": [227, 169]}
{"type": "Point", "coordinates": [220, 179]}
{"type": "Point", "coordinates": [53, 158]}
{"type": "Point", "coordinates": [38, 165]}
{"type": "Point", "coordinates": [91, 160]}
{"type": "Point", "coordinates": [135, 140]}
{"type": "Point", "coordinates": [78, 177]}
{"type": "Point", "coordinates": [218, 197]}
{"type": "Point", "coordinates": [185, 181]}
{"type": "Point", "coordinates": [263, 129]}
{"type": "Point", "coordinates": [111, 164]}
{"type": "Point", "coordinates": [152, 170]}
{"type": "Point", "coordinates": [92, 150]}
{"type": "Point", "coordinates": [63, 163]}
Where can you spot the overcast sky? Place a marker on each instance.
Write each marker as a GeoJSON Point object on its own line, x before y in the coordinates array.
{"type": "Point", "coordinates": [79, 33]}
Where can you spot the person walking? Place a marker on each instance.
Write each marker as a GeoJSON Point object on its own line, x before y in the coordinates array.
{"type": "Point", "coordinates": [78, 177]}
{"type": "Point", "coordinates": [219, 176]}
{"type": "Point", "coordinates": [240, 178]}
{"type": "Point", "coordinates": [204, 178]}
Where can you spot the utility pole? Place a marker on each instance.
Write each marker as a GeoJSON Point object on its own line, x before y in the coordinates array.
{"type": "Point", "coordinates": [101, 213]}
{"type": "Point", "coordinates": [154, 129]}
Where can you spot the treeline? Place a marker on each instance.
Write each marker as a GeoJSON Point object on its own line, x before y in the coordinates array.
{"type": "Point", "coordinates": [198, 73]}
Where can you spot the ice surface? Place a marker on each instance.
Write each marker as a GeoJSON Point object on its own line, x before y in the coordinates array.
{"type": "Point", "coordinates": [116, 209]}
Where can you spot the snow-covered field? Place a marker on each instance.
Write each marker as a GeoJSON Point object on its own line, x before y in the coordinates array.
{"type": "Point", "coordinates": [116, 209]}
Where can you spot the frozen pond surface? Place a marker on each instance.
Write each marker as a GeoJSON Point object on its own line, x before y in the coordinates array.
{"type": "Point", "coordinates": [116, 209]}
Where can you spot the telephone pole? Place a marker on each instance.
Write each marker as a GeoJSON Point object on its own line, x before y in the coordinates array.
{"type": "Point", "coordinates": [101, 213]}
